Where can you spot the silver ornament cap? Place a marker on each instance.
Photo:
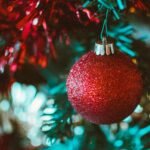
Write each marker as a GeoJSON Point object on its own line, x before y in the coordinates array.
{"type": "Point", "coordinates": [104, 48]}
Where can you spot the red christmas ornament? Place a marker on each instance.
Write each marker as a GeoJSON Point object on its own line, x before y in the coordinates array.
{"type": "Point", "coordinates": [104, 89]}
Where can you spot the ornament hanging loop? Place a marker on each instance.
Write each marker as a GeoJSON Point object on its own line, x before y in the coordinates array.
{"type": "Point", "coordinates": [104, 30]}
{"type": "Point", "coordinates": [104, 48]}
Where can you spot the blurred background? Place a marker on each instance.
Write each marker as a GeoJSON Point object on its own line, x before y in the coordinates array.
{"type": "Point", "coordinates": [39, 42]}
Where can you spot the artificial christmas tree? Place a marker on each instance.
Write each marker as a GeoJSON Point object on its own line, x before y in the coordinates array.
{"type": "Point", "coordinates": [39, 42]}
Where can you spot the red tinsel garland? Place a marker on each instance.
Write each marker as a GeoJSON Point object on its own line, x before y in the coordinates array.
{"type": "Point", "coordinates": [34, 25]}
